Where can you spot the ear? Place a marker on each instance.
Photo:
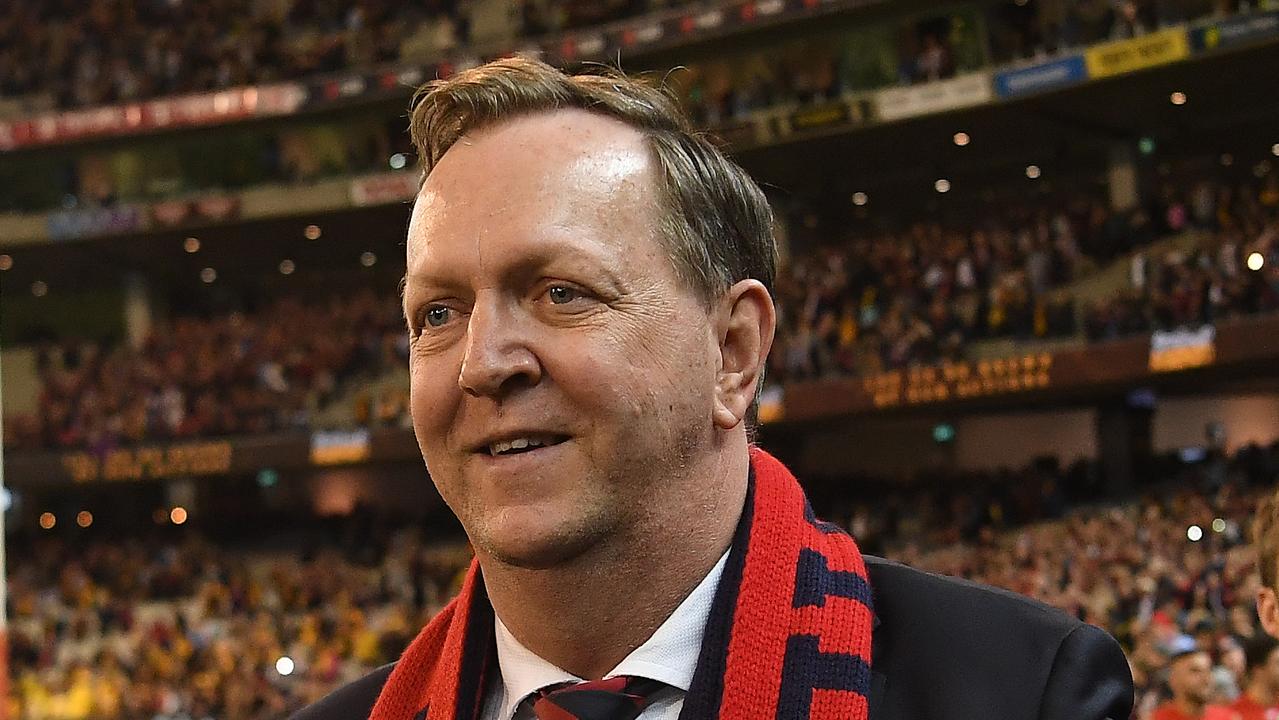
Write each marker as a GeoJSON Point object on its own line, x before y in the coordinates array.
{"type": "Point", "coordinates": [744, 324]}
{"type": "Point", "coordinates": [1268, 611]}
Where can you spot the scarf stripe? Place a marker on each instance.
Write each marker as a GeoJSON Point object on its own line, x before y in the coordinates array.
{"type": "Point", "coordinates": [788, 637]}
{"type": "Point", "coordinates": [807, 651]}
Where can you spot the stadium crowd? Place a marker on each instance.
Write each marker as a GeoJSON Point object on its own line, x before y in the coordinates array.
{"type": "Point", "coordinates": [1211, 283]}
{"type": "Point", "coordinates": [225, 375]}
{"type": "Point", "coordinates": [872, 303]}
{"type": "Point", "coordinates": [107, 52]}
{"type": "Point", "coordinates": [187, 629]}
{"type": "Point", "coordinates": [851, 306]}
{"type": "Point", "coordinates": [84, 54]}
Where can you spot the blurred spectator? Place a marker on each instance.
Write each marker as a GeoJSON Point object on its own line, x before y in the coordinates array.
{"type": "Point", "coordinates": [1190, 679]}
{"type": "Point", "coordinates": [1260, 697]}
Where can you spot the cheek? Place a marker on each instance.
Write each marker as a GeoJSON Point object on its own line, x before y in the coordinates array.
{"type": "Point", "coordinates": [433, 398]}
{"type": "Point", "coordinates": [633, 375]}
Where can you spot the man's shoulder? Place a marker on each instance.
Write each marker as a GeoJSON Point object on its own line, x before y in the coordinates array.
{"type": "Point", "coordinates": [351, 701]}
{"type": "Point", "coordinates": [901, 591]}
{"type": "Point", "coordinates": [949, 648]}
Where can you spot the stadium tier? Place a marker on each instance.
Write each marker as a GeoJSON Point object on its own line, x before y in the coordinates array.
{"type": "Point", "coordinates": [1027, 301]}
{"type": "Point", "coordinates": [171, 625]}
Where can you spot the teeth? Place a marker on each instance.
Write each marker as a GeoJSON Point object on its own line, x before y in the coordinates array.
{"type": "Point", "coordinates": [522, 443]}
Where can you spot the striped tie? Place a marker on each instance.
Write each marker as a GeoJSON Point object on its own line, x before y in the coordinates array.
{"type": "Point", "coordinates": [617, 698]}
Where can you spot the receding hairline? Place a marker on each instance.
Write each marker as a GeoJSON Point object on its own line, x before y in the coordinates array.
{"type": "Point", "coordinates": [574, 142]}
{"type": "Point", "coordinates": [579, 129]}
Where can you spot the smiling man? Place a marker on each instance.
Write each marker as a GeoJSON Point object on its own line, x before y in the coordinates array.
{"type": "Point", "coordinates": [589, 310]}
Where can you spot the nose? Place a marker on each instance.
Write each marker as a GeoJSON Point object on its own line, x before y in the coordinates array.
{"type": "Point", "coordinates": [497, 359]}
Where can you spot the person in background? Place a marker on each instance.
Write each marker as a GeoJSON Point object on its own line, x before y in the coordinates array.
{"type": "Point", "coordinates": [1190, 680]}
{"type": "Point", "coordinates": [1260, 698]}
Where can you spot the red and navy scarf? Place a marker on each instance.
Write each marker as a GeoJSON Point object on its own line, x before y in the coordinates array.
{"type": "Point", "coordinates": [788, 637]}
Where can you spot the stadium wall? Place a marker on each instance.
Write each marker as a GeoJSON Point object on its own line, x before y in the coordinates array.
{"type": "Point", "coordinates": [1244, 419]}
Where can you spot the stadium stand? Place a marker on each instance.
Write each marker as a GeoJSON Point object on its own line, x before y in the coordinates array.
{"type": "Point", "coordinates": [179, 627]}
{"type": "Point", "coordinates": [185, 623]}
{"type": "Point", "coordinates": [229, 375]}
{"type": "Point", "coordinates": [109, 52]}
{"type": "Point", "coordinates": [858, 306]}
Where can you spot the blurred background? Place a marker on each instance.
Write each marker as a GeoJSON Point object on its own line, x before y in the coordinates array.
{"type": "Point", "coordinates": [1029, 312]}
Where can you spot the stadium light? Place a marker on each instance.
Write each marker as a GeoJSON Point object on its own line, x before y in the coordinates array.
{"type": "Point", "coordinates": [1033, 172]}
{"type": "Point", "coordinates": [48, 520]}
{"type": "Point", "coordinates": [84, 518]}
{"type": "Point", "coordinates": [1256, 261]}
{"type": "Point", "coordinates": [6, 262]}
{"type": "Point", "coordinates": [1274, 149]}
{"type": "Point", "coordinates": [961, 139]}
{"type": "Point", "coordinates": [1218, 525]}
{"type": "Point", "coordinates": [287, 267]}
{"type": "Point", "coordinates": [191, 245]}
{"type": "Point", "coordinates": [312, 232]}
{"type": "Point", "coordinates": [208, 275]}
{"type": "Point", "coordinates": [368, 259]}
{"type": "Point", "coordinates": [284, 665]}
{"type": "Point", "coordinates": [860, 199]}
{"type": "Point", "coordinates": [1194, 533]}
{"type": "Point", "coordinates": [39, 288]}
{"type": "Point", "coordinates": [1177, 98]}
{"type": "Point", "coordinates": [178, 515]}
{"type": "Point", "coordinates": [942, 185]}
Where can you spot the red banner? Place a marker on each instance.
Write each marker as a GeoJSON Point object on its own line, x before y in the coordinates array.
{"type": "Point", "coordinates": [185, 110]}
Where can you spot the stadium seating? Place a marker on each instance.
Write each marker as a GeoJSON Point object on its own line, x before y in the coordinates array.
{"type": "Point", "coordinates": [184, 628]}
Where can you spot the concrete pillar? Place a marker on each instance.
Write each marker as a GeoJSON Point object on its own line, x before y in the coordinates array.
{"type": "Point", "coordinates": [1125, 180]}
{"type": "Point", "coordinates": [137, 309]}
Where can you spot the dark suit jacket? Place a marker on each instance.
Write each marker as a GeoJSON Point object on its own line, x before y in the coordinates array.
{"type": "Point", "coordinates": [943, 649]}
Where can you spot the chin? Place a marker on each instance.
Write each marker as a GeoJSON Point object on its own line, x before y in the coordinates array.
{"type": "Point", "coordinates": [530, 538]}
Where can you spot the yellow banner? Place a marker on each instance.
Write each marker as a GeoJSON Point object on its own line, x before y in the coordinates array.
{"type": "Point", "coordinates": [1125, 56]}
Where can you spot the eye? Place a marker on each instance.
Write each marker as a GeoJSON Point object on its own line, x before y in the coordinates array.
{"type": "Point", "coordinates": [437, 315]}
{"type": "Point", "coordinates": [562, 294]}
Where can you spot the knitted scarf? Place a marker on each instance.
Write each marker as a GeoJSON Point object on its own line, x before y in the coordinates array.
{"type": "Point", "coordinates": [788, 637]}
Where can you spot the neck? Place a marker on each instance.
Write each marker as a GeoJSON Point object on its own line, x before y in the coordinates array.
{"type": "Point", "coordinates": [1189, 707]}
{"type": "Point", "coordinates": [1261, 693]}
{"type": "Point", "coordinates": [586, 615]}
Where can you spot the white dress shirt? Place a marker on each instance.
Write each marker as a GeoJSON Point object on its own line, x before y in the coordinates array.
{"type": "Point", "coordinates": [669, 655]}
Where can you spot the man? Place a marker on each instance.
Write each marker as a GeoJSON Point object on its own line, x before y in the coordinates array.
{"type": "Point", "coordinates": [1265, 538]}
{"type": "Point", "coordinates": [587, 294]}
{"type": "Point", "coordinates": [1190, 680]}
{"type": "Point", "coordinates": [1260, 697]}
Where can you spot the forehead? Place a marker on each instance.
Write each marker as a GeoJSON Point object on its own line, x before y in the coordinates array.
{"type": "Point", "coordinates": [550, 173]}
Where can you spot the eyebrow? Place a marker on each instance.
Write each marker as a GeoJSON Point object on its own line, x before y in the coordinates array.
{"type": "Point", "coordinates": [549, 251]}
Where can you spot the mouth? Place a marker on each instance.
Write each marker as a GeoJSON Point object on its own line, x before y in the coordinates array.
{"type": "Point", "coordinates": [521, 444]}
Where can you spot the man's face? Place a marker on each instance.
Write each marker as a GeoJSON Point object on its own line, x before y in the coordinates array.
{"type": "Point", "coordinates": [543, 309]}
{"type": "Point", "coordinates": [1191, 678]}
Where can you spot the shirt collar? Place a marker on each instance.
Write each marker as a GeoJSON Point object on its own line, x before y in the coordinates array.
{"type": "Point", "coordinates": [669, 655]}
